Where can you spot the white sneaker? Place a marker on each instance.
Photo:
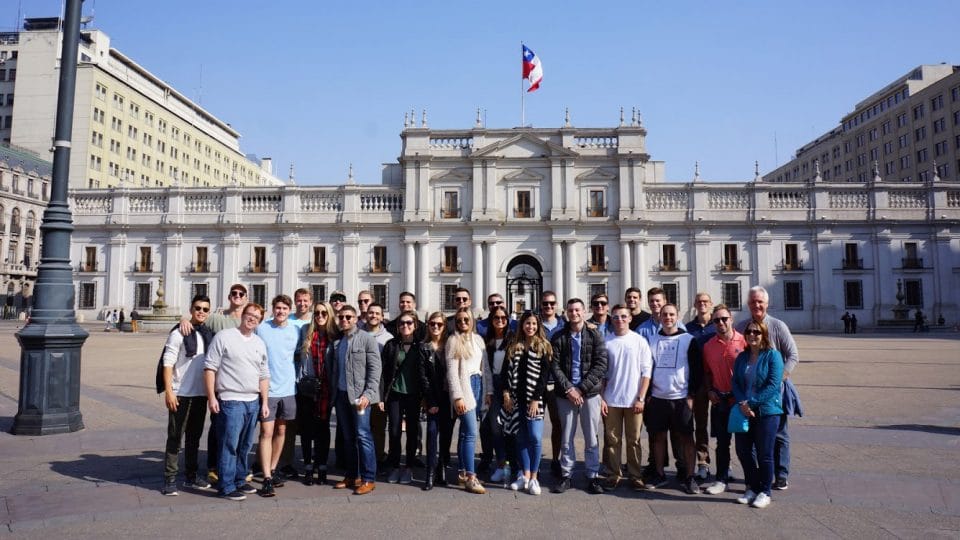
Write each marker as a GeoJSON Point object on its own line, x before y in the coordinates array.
{"type": "Point", "coordinates": [716, 488]}
{"type": "Point", "coordinates": [534, 487]}
{"type": "Point", "coordinates": [520, 484]}
{"type": "Point", "coordinates": [747, 497]}
{"type": "Point", "coordinates": [501, 475]}
{"type": "Point", "coordinates": [762, 501]}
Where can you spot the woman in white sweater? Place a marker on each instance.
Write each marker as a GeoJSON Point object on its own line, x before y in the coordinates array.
{"type": "Point", "coordinates": [466, 372]}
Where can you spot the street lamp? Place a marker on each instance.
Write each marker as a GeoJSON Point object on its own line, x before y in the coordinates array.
{"type": "Point", "coordinates": [50, 344]}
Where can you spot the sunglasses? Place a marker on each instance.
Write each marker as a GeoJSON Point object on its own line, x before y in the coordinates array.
{"type": "Point", "coordinates": [203, 309]}
{"type": "Point", "coordinates": [495, 303]}
{"type": "Point", "coordinates": [598, 303]}
{"type": "Point", "coordinates": [461, 299]}
{"type": "Point", "coordinates": [345, 317]}
{"type": "Point", "coordinates": [463, 321]}
{"type": "Point", "coordinates": [364, 301]}
{"type": "Point", "coordinates": [752, 332]}
{"type": "Point", "coordinates": [719, 320]}
{"type": "Point", "coordinates": [500, 318]}
{"type": "Point", "coordinates": [320, 314]}
{"type": "Point", "coordinates": [436, 325]}
{"type": "Point", "coordinates": [237, 294]}
{"type": "Point", "coordinates": [406, 323]}
{"type": "Point", "coordinates": [548, 304]}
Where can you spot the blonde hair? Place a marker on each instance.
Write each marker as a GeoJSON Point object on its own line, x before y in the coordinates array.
{"type": "Point", "coordinates": [461, 344]}
{"type": "Point", "coordinates": [328, 329]}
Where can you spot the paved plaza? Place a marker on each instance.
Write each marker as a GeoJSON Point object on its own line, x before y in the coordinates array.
{"type": "Point", "coordinates": [877, 455]}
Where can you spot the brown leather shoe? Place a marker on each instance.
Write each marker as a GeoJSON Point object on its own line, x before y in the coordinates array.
{"type": "Point", "coordinates": [364, 488]}
{"type": "Point", "coordinates": [347, 482]}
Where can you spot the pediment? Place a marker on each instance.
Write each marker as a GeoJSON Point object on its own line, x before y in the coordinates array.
{"type": "Point", "coordinates": [523, 175]}
{"type": "Point", "coordinates": [523, 146]}
{"type": "Point", "coordinates": [457, 176]}
{"type": "Point", "coordinates": [596, 175]}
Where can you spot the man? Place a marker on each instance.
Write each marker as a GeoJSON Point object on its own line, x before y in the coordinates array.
{"type": "Point", "coordinates": [622, 398]}
{"type": "Point", "coordinates": [337, 300]}
{"type": "Point", "coordinates": [702, 329]}
{"type": "Point", "coordinates": [719, 355]}
{"type": "Point", "coordinates": [281, 339]}
{"type": "Point", "coordinates": [656, 299]}
{"type": "Point", "coordinates": [303, 301]}
{"type": "Point", "coordinates": [782, 340]}
{"type": "Point", "coordinates": [407, 301]}
{"type": "Point", "coordinates": [378, 414]}
{"type": "Point", "coordinates": [495, 300]}
{"type": "Point", "coordinates": [355, 373]}
{"type": "Point", "coordinates": [599, 305]}
{"type": "Point", "coordinates": [237, 380]}
{"type": "Point", "coordinates": [461, 299]}
{"type": "Point", "coordinates": [632, 299]}
{"type": "Point", "coordinates": [677, 375]}
{"type": "Point", "coordinates": [364, 299]}
{"type": "Point", "coordinates": [551, 325]}
{"type": "Point", "coordinates": [846, 322]}
{"type": "Point", "coordinates": [186, 397]}
{"type": "Point", "coordinates": [579, 365]}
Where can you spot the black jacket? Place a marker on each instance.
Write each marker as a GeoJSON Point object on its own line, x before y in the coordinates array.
{"type": "Point", "coordinates": [435, 366]}
{"type": "Point", "coordinates": [390, 359]}
{"type": "Point", "coordinates": [593, 362]}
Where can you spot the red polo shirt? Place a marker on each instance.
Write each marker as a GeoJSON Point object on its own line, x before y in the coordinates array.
{"type": "Point", "coordinates": [718, 359]}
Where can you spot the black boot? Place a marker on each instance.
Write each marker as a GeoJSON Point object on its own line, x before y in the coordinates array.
{"type": "Point", "coordinates": [308, 476]}
{"type": "Point", "coordinates": [428, 485]}
{"type": "Point", "coordinates": [322, 475]}
{"type": "Point", "coordinates": [440, 475]}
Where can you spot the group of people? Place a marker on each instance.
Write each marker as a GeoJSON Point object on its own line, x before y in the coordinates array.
{"type": "Point", "coordinates": [603, 370]}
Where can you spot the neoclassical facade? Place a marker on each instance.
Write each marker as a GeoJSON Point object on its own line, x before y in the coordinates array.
{"type": "Point", "coordinates": [518, 211]}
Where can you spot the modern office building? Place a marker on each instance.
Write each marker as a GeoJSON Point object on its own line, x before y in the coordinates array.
{"type": "Point", "coordinates": [130, 128]}
{"type": "Point", "coordinates": [905, 132]}
{"type": "Point", "coordinates": [518, 211]}
{"type": "Point", "coordinates": [24, 192]}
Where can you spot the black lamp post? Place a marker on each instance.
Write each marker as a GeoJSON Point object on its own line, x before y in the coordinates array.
{"type": "Point", "coordinates": [50, 344]}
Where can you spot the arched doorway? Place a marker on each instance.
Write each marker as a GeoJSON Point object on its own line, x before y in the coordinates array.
{"type": "Point", "coordinates": [524, 284]}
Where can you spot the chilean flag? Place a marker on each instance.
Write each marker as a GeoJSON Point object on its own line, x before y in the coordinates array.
{"type": "Point", "coordinates": [532, 70]}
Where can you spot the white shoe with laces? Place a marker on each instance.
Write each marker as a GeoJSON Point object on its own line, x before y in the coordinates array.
{"type": "Point", "coordinates": [762, 501]}
{"type": "Point", "coordinates": [501, 475]}
{"type": "Point", "coordinates": [520, 484]}
{"type": "Point", "coordinates": [747, 497]}
{"type": "Point", "coordinates": [716, 488]}
{"type": "Point", "coordinates": [534, 487]}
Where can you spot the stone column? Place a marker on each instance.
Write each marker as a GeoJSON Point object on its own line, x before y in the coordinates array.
{"type": "Point", "coordinates": [351, 265]}
{"type": "Point", "coordinates": [626, 268]}
{"type": "Point", "coordinates": [288, 264]}
{"type": "Point", "coordinates": [477, 269]}
{"type": "Point", "coordinates": [117, 268]}
{"type": "Point", "coordinates": [571, 271]}
{"type": "Point", "coordinates": [410, 272]}
{"type": "Point", "coordinates": [229, 266]}
{"type": "Point", "coordinates": [642, 271]}
{"type": "Point", "coordinates": [492, 285]}
{"type": "Point", "coordinates": [558, 270]}
{"type": "Point", "coordinates": [423, 287]}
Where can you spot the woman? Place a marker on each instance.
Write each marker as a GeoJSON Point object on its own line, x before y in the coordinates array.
{"type": "Point", "coordinates": [491, 433]}
{"type": "Point", "coordinates": [314, 395]}
{"type": "Point", "coordinates": [757, 376]}
{"type": "Point", "coordinates": [402, 380]}
{"type": "Point", "coordinates": [466, 372]}
{"type": "Point", "coordinates": [437, 401]}
{"type": "Point", "coordinates": [525, 381]}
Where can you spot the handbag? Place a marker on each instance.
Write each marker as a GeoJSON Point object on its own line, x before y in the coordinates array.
{"type": "Point", "coordinates": [737, 423]}
{"type": "Point", "coordinates": [309, 387]}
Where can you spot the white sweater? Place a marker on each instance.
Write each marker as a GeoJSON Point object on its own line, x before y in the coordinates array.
{"type": "Point", "coordinates": [459, 372]}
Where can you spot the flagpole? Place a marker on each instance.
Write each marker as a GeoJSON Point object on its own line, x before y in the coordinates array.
{"type": "Point", "coordinates": [523, 106]}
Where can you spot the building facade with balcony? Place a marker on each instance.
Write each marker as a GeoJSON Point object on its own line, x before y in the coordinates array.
{"type": "Point", "coordinates": [519, 211]}
{"type": "Point", "coordinates": [24, 193]}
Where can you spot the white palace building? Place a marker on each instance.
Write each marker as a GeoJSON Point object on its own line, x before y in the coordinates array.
{"type": "Point", "coordinates": [518, 211]}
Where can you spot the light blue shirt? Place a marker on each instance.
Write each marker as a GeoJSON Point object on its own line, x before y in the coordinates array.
{"type": "Point", "coordinates": [575, 375]}
{"type": "Point", "coordinates": [651, 327]}
{"type": "Point", "coordinates": [281, 344]}
{"type": "Point", "coordinates": [558, 324]}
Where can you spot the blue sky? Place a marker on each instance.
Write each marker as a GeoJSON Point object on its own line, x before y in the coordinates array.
{"type": "Point", "coordinates": [325, 84]}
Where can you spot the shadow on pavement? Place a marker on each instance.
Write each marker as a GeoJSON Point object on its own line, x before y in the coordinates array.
{"type": "Point", "coordinates": [926, 428]}
{"type": "Point", "coordinates": [145, 468]}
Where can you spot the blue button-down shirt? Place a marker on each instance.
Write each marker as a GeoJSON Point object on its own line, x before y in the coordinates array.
{"type": "Point", "coordinates": [575, 375]}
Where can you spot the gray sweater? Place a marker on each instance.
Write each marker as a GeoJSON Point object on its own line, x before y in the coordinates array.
{"type": "Point", "coordinates": [240, 364]}
{"type": "Point", "coordinates": [780, 339]}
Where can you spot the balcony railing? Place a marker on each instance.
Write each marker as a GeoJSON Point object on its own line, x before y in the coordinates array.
{"type": "Point", "coordinates": [87, 267]}
{"type": "Point", "coordinates": [912, 263]}
{"type": "Point", "coordinates": [451, 268]}
{"type": "Point", "coordinates": [258, 268]}
{"type": "Point", "coordinates": [450, 213]}
{"type": "Point", "coordinates": [143, 267]}
{"type": "Point", "coordinates": [596, 211]}
{"type": "Point", "coordinates": [379, 268]}
{"type": "Point", "coordinates": [669, 266]}
{"type": "Point", "coordinates": [316, 268]}
{"type": "Point", "coordinates": [598, 267]}
{"type": "Point", "coordinates": [853, 264]}
{"type": "Point", "coordinates": [729, 265]}
{"type": "Point", "coordinates": [523, 212]}
{"type": "Point", "coordinates": [202, 267]}
{"type": "Point", "coordinates": [791, 266]}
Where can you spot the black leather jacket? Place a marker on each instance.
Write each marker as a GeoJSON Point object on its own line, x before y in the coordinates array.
{"type": "Point", "coordinates": [390, 361]}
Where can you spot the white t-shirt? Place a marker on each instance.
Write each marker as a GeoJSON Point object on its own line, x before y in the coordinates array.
{"type": "Point", "coordinates": [671, 376]}
{"type": "Point", "coordinates": [628, 361]}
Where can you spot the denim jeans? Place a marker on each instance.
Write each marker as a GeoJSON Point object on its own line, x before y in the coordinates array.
{"type": "Point", "coordinates": [358, 450]}
{"type": "Point", "coordinates": [189, 418]}
{"type": "Point", "coordinates": [781, 449]}
{"type": "Point", "coordinates": [755, 450]}
{"type": "Point", "coordinates": [529, 443]}
{"type": "Point", "coordinates": [467, 444]}
{"type": "Point", "coordinates": [235, 431]}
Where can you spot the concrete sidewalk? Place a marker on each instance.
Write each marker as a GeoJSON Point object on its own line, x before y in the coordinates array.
{"type": "Point", "coordinates": [877, 455]}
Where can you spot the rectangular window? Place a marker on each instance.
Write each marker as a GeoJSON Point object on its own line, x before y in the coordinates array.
{"type": "Point", "coordinates": [903, 141]}
{"type": "Point", "coordinates": [918, 112]}
{"type": "Point", "coordinates": [90, 259]}
{"type": "Point", "coordinates": [447, 292]}
{"type": "Point", "coordinates": [669, 261]}
{"type": "Point", "coordinates": [523, 209]}
{"type": "Point", "coordinates": [936, 103]}
{"type": "Point", "coordinates": [260, 259]}
{"type": "Point", "coordinates": [319, 292]}
{"type": "Point", "coordinates": [791, 257]}
{"type": "Point", "coordinates": [910, 258]}
{"type": "Point", "coordinates": [451, 261]}
{"type": "Point", "coordinates": [596, 208]}
{"type": "Point", "coordinates": [887, 148]}
{"type": "Point", "coordinates": [901, 120]}
{"type": "Point", "coordinates": [731, 294]}
{"type": "Point", "coordinates": [146, 264]}
{"type": "Point", "coordinates": [598, 261]}
{"type": "Point", "coordinates": [939, 125]}
{"type": "Point", "coordinates": [921, 155]}
{"type": "Point", "coordinates": [451, 204]}
{"type": "Point", "coordinates": [913, 290]}
{"type": "Point", "coordinates": [920, 133]}
{"type": "Point", "coordinates": [87, 298]}
{"type": "Point", "coordinates": [597, 288]}
{"type": "Point", "coordinates": [258, 294]}
{"type": "Point", "coordinates": [851, 257]}
{"type": "Point", "coordinates": [379, 292]}
{"type": "Point", "coordinates": [202, 264]}
{"type": "Point", "coordinates": [319, 261]}
{"type": "Point", "coordinates": [853, 294]}
{"type": "Point", "coordinates": [200, 288]}
{"type": "Point", "coordinates": [380, 259]}
{"type": "Point", "coordinates": [793, 295]}
{"type": "Point", "coordinates": [672, 291]}
{"type": "Point", "coordinates": [731, 259]}
{"type": "Point", "coordinates": [142, 296]}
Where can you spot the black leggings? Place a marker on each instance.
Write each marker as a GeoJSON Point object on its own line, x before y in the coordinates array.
{"type": "Point", "coordinates": [403, 407]}
{"type": "Point", "coordinates": [314, 432]}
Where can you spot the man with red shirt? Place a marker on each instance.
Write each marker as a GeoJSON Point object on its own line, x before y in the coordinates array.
{"type": "Point", "coordinates": [719, 355]}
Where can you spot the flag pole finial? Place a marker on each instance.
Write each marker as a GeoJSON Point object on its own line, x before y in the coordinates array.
{"type": "Point", "coordinates": [479, 122]}
{"type": "Point", "coordinates": [621, 117]}
{"type": "Point", "coordinates": [566, 117]}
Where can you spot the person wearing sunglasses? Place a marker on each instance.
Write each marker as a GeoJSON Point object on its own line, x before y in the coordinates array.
{"type": "Point", "coordinates": [314, 392]}
{"type": "Point", "coordinates": [552, 323]}
{"type": "Point", "coordinates": [461, 300]}
{"type": "Point", "coordinates": [467, 374]}
{"type": "Point", "coordinates": [364, 299]}
{"type": "Point", "coordinates": [719, 355]}
{"type": "Point", "coordinates": [378, 411]}
{"type": "Point", "coordinates": [186, 396]}
{"type": "Point", "coordinates": [355, 374]}
{"type": "Point", "coordinates": [702, 328]}
{"type": "Point", "coordinates": [493, 441]}
{"type": "Point", "coordinates": [757, 378]}
{"type": "Point", "coordinates": [401, 382]}
{"type": "Point", "coordinates": [599, 318]}
{"type": "Point", "coordinates": [437, 398]}
{"type": "Point", "coordinates": [495, 300]}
